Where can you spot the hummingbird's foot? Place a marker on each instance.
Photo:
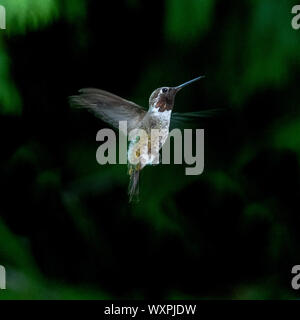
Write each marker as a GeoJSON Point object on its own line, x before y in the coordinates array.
{"type": "Point", "coordinates": [149, 146]}
{"type": "Point", "coordinates": [130, 171]}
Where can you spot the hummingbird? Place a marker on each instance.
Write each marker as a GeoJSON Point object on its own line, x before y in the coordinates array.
{"type": "Point", "coordinates": [113, 109]}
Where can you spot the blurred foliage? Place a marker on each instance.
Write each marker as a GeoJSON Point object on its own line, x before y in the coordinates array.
{"type": "Point", "coordinates": [67, 230]}
{"type": "Point", "coordinates": [10, 101]}
{"type": "Point", "coordinates": [187, 21]}
{"type": "Point", "coordinates": [27, 15]}
{"type": "Point", "coordinates": [21, 18]}
{"type": "Point", "coordinates": [287, 135]}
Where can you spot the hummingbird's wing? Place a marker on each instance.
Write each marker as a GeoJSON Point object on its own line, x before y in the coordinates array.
{"type": "Point", "coordinates": [109, 107]}
{"type": "Point", "coordinates": [182, 120]}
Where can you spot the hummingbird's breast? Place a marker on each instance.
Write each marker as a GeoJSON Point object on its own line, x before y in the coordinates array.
{"type": "Point", "coordinates": [156, 119]}
{"type": "Point", "coordinates": [146, 148]}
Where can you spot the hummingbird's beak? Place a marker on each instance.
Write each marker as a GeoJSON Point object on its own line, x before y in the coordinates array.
{"type": "Point", "coordinates": [187, 83]}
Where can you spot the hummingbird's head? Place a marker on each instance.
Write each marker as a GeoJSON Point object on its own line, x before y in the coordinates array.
{"type": "Point", "coordinates": [162, 99]}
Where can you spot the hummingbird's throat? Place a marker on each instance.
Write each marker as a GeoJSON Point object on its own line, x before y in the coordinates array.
{"type": "Point", "coordinates": [163, 105]}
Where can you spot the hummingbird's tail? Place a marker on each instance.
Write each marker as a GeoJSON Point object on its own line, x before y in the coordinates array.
{"type": "Point", "coordinates": [133, 189]}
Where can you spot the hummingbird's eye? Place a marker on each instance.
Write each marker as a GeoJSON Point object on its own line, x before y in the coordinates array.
{"type": "Point", "coordinates": [164, 90]}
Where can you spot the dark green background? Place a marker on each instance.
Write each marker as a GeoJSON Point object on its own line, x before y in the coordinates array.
{"type": "Point", "coordinates": [66, 228]}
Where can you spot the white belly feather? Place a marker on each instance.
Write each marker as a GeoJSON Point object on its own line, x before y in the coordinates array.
{"type": "Point", "coordinates": [144, 148]}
